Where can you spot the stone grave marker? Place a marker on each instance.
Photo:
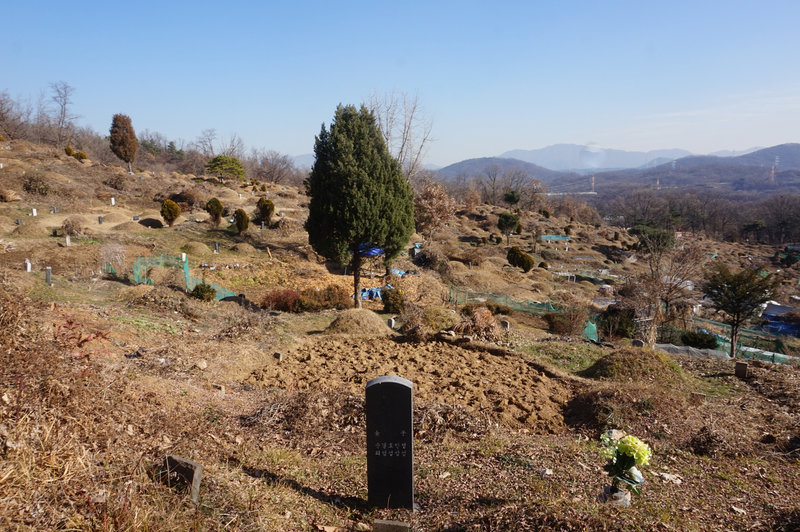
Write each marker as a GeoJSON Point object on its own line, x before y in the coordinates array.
{"type": "Point", "coordinates": [48, 273]}
{"type": "Point", "coordinates": [67, 240]}
{"type": "Point", "coordinates": [178, 470]}
{"type": "Point", "coordinates": [135, 218]}
{"type": "Point", "coordinates": [183, 257]}
{"type": "Point", "coordinates": [390, 454]}
{"type": "Point", "coordinates": [742, 370]}
{"type": "Point", "coordinates": [100, 220]}
{"type": "Point", "coordinates": [216, 247]}
{"type": "Point", "coordinates": [28, 265]}
{"type": "Point", "coordinates": [391, 323]}
{"type": "Point", "coordinates": [19, 221]}
{"type": "Point", "coordinates": [33, 212]}
{"type": "Point", "coordinates": [55, 209]}
{"type": "Point", "coordinates": [262, 226]}
{"type": "Point", "coordinates": [113, 202]}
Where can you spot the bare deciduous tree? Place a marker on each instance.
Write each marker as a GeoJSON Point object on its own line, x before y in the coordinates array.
{"type": "Point", "coordinates": [659, 294]}
{"type": "Point", "coordinates": [63, 119]}
{"type": "Point", "coordinates": [405, 129]}
{"type": "Point", "coordinates": [271, 166]}
{"type": "Point", "coordinates": [433, 207]}
{"type": "Point", "coordinates": [205, 142]}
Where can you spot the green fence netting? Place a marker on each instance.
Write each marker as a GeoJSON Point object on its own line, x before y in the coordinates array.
{"type": "Point", "coordinates": [460, 296]}
{"type": "Point", "coordinates": [751, 344]}
{"type": "Point", "coordinates": [144, 265]}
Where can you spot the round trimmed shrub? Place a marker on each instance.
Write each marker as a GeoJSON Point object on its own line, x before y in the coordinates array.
{"type": "Point", "coordinates": [394, 300]}
{"type": "Point", "coordinates": [215, 209]}
{"type": "Point", "coordinates": [265, 210]}
{"type": "Point", "coordinates": [241, 220]}
{"type": "Point", "coordinates": [170, 211]}
{"type": "Point", "coordinates": [204, 292]}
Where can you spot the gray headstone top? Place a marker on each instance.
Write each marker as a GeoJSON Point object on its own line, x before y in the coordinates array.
{"type": "Point", "coordinates": [390, 378]}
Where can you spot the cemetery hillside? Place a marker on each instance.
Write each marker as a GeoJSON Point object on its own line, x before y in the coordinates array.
{"type": "Point", "coordinates": [181, 349]}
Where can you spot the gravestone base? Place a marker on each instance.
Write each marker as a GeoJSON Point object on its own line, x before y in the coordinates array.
{"type": "Point", "coordinates": [383, 525]}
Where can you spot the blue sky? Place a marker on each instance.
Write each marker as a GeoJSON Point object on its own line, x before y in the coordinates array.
{"type": "Point", "coordinates": [698, 75]}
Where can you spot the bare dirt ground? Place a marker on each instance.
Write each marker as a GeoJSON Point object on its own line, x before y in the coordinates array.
{"type": "Point", "coordinates": [99, 379]}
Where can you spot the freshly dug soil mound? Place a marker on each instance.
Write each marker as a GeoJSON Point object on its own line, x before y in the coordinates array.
{"type": "Point", "coordinates": [359, 322]}
{"type": "Point", "coordinates": [196, 248]}
{"type": "Point", "coordinates": [507, 389]}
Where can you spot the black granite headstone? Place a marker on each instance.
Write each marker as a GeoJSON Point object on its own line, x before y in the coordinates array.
{"type": "Point", "coordinates": [390, 453]}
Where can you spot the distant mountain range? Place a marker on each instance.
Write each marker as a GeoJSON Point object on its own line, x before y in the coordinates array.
{"type": "Point", "coordinates": [751, 171]}
{"type": "Point", "coordinates": [577, 158]}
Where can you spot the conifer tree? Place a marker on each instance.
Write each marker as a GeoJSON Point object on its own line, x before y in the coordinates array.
{"type": "Point", "coordinates": [123, 139]}
{"type": "Point", "coordinates": [359, 196]}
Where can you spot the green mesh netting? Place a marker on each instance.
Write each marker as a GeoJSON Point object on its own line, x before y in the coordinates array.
{"type": "Point", "coordinates": [144, 264]}
{"type": "Point", "coordinates": [590, 331]}
{"type": "Point", "coordinates": [460, 297]}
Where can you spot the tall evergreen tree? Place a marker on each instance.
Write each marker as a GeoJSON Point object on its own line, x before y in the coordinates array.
{"type": "Point", "coordinates": [359, 196]}
{"type": "Point", "coordinates": [123, 139]}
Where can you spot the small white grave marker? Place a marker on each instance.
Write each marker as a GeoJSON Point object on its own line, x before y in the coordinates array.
{"type": "Point", "coordinates": [47, 276]}
{"type": "Point", "coordinates": [33, 212]}
{"type": "Point", "coordinates": [183, 257]}
{"type": "Point", "coordinates": [113, 202]}
{"type": "Point", "coordinates": [27, 265]}
{"type": "Point", "coordinates": [68, 240]}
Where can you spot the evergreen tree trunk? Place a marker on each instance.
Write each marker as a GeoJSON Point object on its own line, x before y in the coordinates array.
{"type": "Point", "coordinates": [734, 337]}
{"type": "Point", "coordinates": [356, 265]}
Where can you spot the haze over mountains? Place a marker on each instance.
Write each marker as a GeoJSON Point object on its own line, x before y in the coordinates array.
{"type": "Point", "coordinates": [752, 171]}
{"type": "Point", "coordinates": [574, 158]}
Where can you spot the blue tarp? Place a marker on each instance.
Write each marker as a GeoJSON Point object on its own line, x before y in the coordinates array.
{"type": "Point", "coordinates": [369, 250]}
{"type": "Point", "coordinates": [374, 293]}
{"type": "Point", "coordinates": [555, 237]}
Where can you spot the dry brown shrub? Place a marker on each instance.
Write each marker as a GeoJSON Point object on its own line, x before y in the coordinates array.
{"type": "Point", "coordinates": [7, 195]}
{"type": "Point", "coordinates": [189, 198]}
{"type": "Point", "coordinates": [359, 322]}
{"type": "Point", "coordinates": [74, 226]}
{"type": "Point", "coordinates": [480, 323]}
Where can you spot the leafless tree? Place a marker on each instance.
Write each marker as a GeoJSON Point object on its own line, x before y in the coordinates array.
{"type": "Point", "coordinates": [271, 166]}
{"type": "Point", "coordinates": [433, 207]}
{"type": "Point", "coordinates": [63, 119]}
{"type": "Point", "coordinates": [205, 142]}
{"type": "Point", "coordinates": [491, 183]}
{"type": "Point", "coordinates": [233, 147]}
{"type": "Point", "coordinates": [405, 128]}
{"type": "Point", "coordinates": [13, 117]}
{"type": "Point", "coordinates": [657, 294]}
